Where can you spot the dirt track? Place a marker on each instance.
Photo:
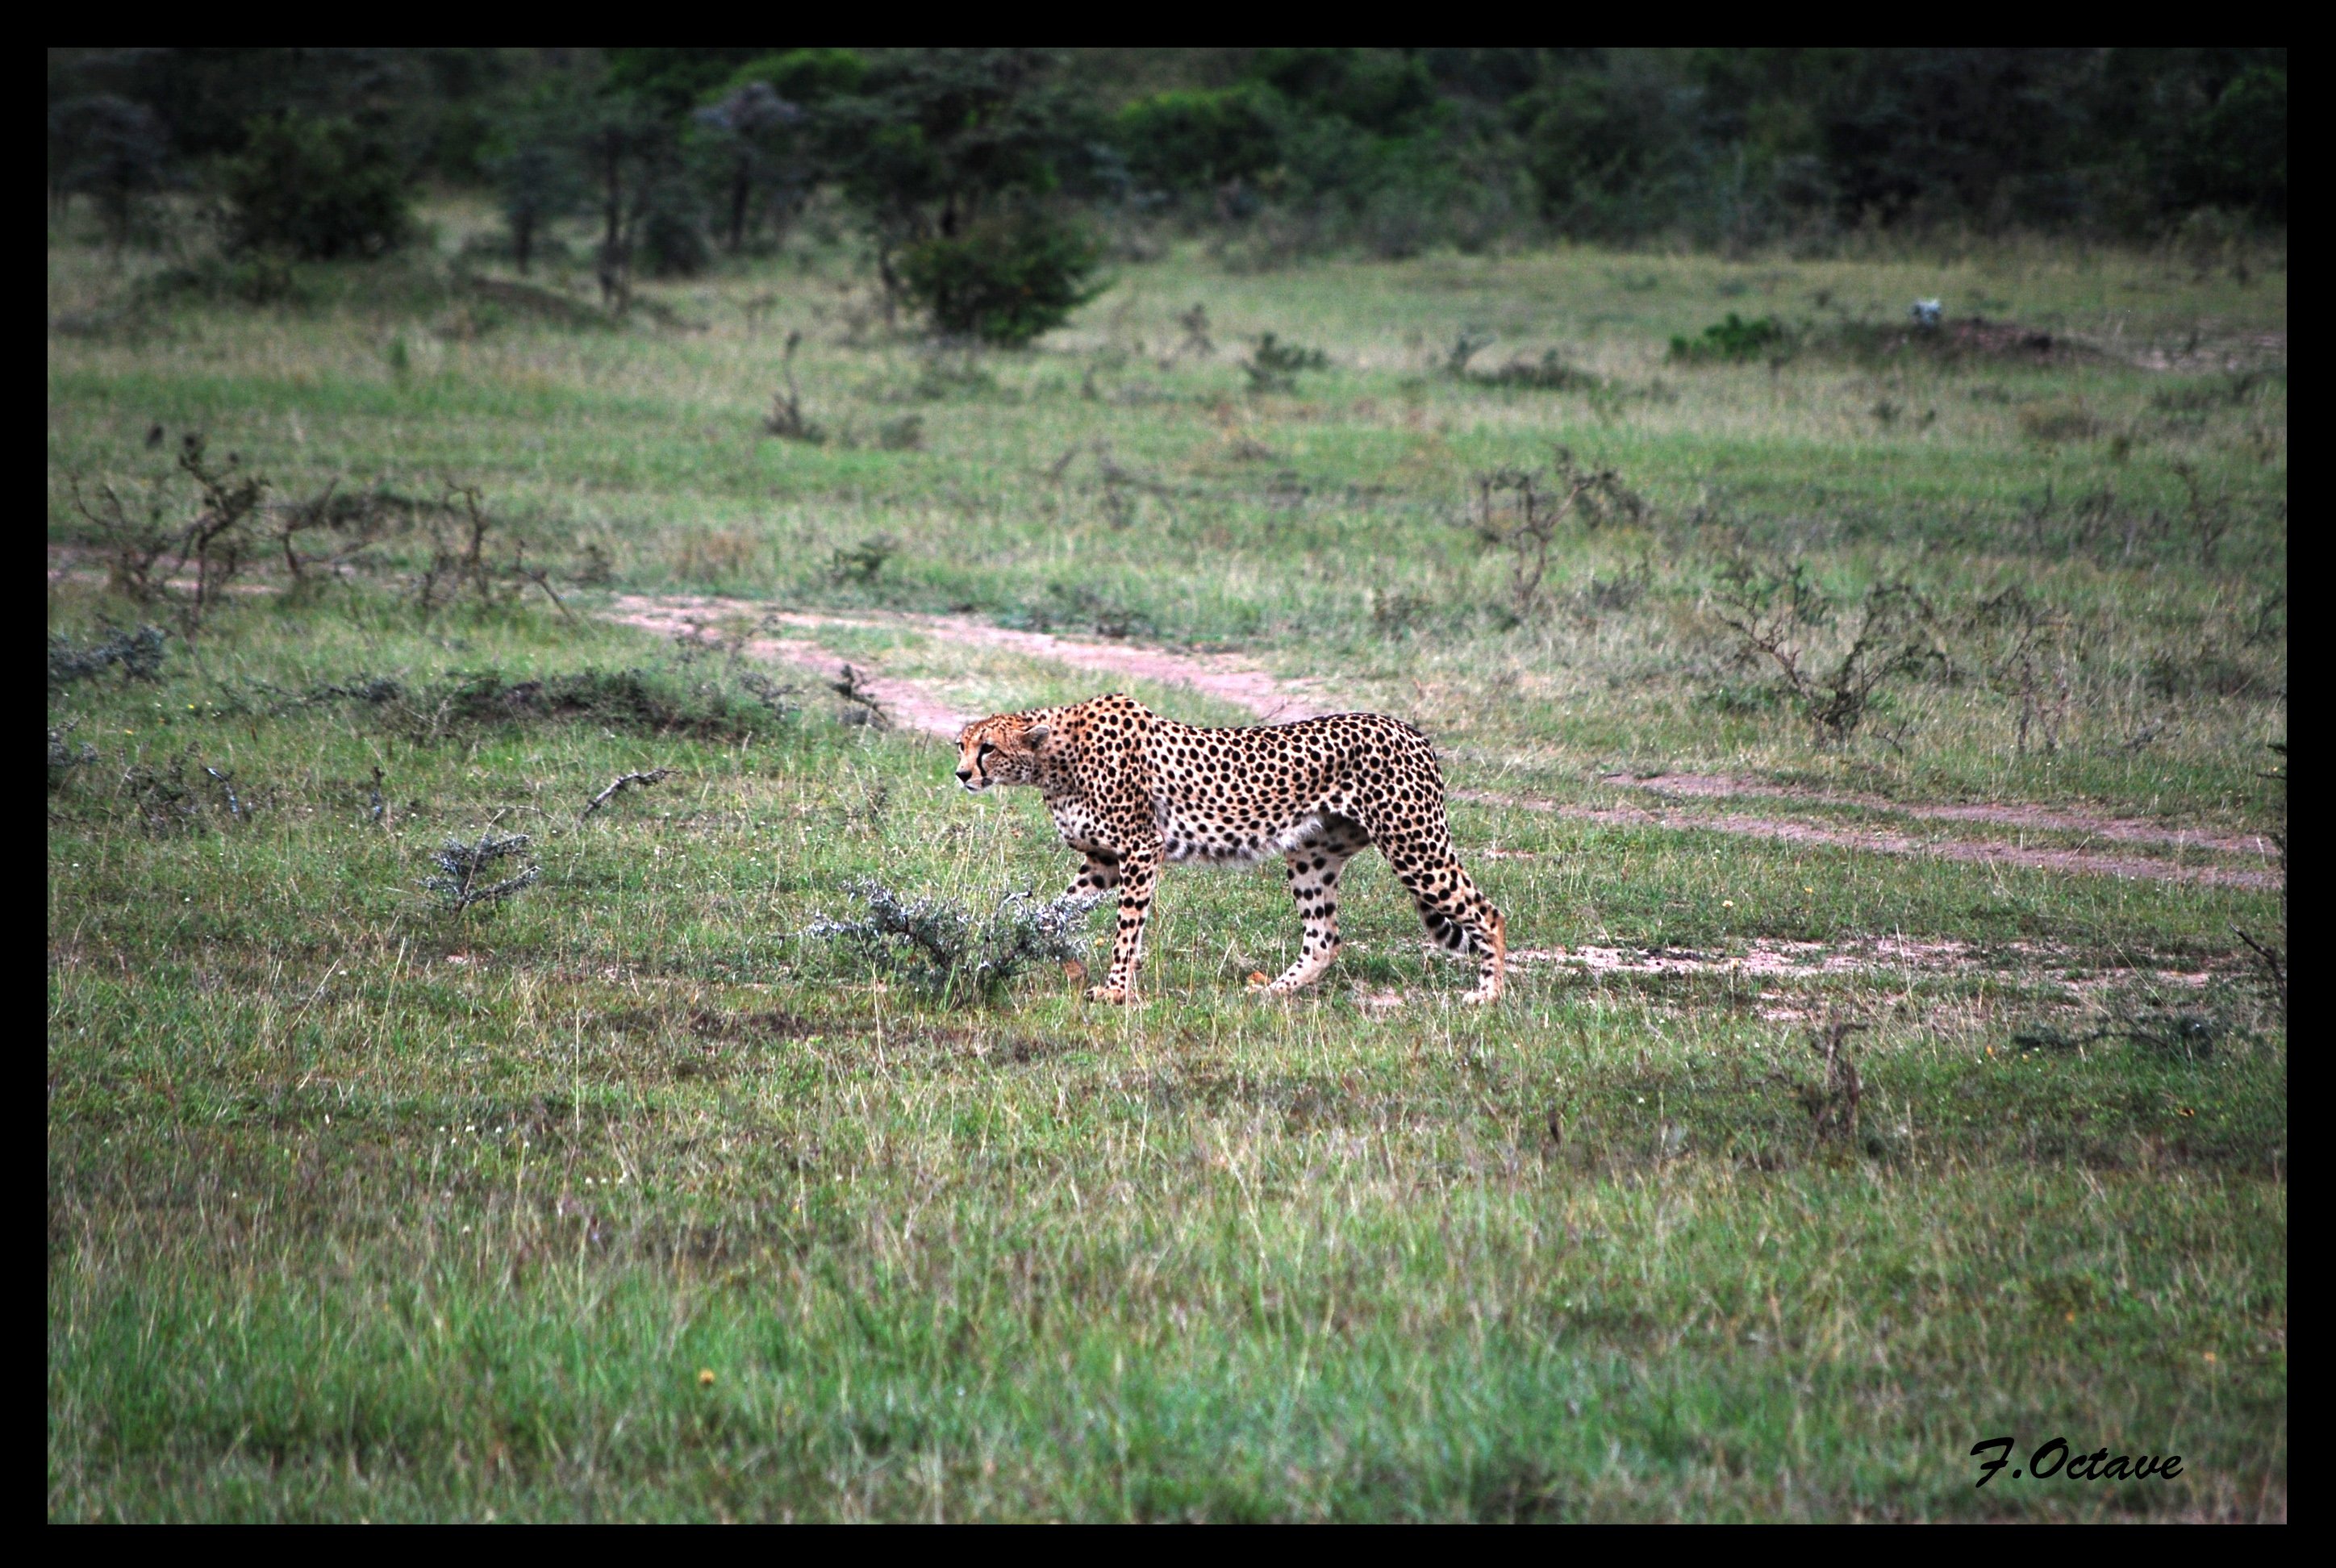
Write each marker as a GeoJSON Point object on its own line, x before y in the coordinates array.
{"type": "Point", "coordinates": [1218, 676]}
{"type": "Point", "coordinates": [1230, 679]}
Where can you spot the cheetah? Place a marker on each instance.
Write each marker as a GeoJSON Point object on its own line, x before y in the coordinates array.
{"type": "Point", "coordinates": [1129, 789]}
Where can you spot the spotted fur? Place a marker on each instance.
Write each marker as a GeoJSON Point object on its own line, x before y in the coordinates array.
{"type": "Point", "coordinates": [1128, 790]}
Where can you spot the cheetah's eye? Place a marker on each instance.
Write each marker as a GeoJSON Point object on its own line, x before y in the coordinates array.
{"type": "Point", "coordinates": [984, 749]}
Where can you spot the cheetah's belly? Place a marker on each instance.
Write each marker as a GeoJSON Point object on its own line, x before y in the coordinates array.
{"type": "Point", "coordinates": [1233, 839]}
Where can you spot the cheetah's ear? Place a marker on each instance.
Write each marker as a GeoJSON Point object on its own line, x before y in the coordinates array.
{"type": "Point", "coordinates": [1036, 734]}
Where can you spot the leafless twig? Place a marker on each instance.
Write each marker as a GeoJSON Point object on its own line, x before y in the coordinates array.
{"type": "Point", "coordinates": [234, 807]}
{"type": "Point", "coordinates": [2272, 966]}
{"type": "Point", "coordinates": [786, 419]}
{"type": "Point", "coordinates": [643, 779]}
{"type": "Point", "coordinates": [852, 688]}
{"type": "Point", "coordinates": [1832, 1104]}
{"type": "Point", "coordinates": [541, 578]}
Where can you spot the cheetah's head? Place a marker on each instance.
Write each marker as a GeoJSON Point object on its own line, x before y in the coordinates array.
{"type": "Point", "coordinates": [1002, 749]}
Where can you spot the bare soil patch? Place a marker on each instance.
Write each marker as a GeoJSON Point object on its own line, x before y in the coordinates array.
{"type": "Point", "coordinates": [1884, 841]}
{"type": "Point", "coordinates": [1769, 959]}
{"type": "Point", "coordinates": [2121, 830]}
{"type": "Point", "coordinates": [1762, 962]}
{"type": "Point", "coordinates": [691, 618]}
{"type": "Point", "coordinates": [2239, 352]}
{"type": "Point", "coordinates": [1220, 676]}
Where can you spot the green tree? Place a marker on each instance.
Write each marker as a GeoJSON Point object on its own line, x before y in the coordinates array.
{"type": "Point", "coordinates": [2235, 153]}
{"type": "Point", "coordinates": [1607, 141]}
{"type": "Point", "coordinates": [751, 137]}
{"type": "Point", "coordinates": [1195, 140]}
{"type": "Point", "coordinates": [111, 149]}
{"type": "Point", "coordinates": [1004, 279]}
{"type": "Point", "coordinates": [958, 156]}
{"type": "Point", "coordinates": [1385, 92]}
{"type": "Point", "coordinates": [316, 189]}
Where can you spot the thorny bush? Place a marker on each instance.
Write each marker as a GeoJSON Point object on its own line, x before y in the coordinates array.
{"type": "Point", "coordinates": [460, 865]}
{"type": "Point", "coordinates": [1780, 614]}
{"type": "Point", "coordinates": [1274, 366]}
{"type": "Point", "coordinates": [1523, 513]}
{"type": "Point", "coordinates": [950, 952]}
{"type": "Point", "coordinates": [215, 542]}
{"type": "Point", "coordinates": [137, 653]}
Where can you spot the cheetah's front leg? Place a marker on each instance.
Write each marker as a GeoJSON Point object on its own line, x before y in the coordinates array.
{"type": "Point", "coordinates": [1098, 876]}
{"type": "Point", "coordinates": [1139, 870]}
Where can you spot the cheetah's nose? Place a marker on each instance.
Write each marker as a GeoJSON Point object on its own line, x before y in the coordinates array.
{"type": "Point", "coordinates": [965, 775]}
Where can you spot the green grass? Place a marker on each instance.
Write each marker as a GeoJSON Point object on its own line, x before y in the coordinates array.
{"type": "Point", "coordinates": [358, 1208]}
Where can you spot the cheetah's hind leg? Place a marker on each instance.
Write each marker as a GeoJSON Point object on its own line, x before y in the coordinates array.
{"type": "Point", "coordinates": [1458, 917]}
{"type": "Point", "coordinates": [1492, 963]}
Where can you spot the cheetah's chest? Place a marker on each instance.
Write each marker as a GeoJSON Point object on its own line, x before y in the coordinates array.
{"type": "Point", "coordinates": [1078, 823]}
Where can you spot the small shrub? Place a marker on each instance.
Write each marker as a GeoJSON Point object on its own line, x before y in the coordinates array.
{"type": "Point", "coordinates": [653, 702]}
{"type": "Point", "coordinates": [2191, 672]}
{"type": "Point", "coordinates": [863, 561]}
{"type": "Point", "coordinates": [215, 542]}
{"type": "Point", "coordinates": [657, 702]}
{"type": "Point", "coordinates": [1738, 699]}
{"type": "Point", "coordinates": [1274, 366]}
{"type": "Point", "coordinates": [1608, 594]}
{"type": "Point", "coordinates": [166, 800]}
{"type": "Point", "coordinates": [115, 150]}
{"type": "Point", "coordinates": [670, 231]}
{"type": "Point", "coordinates": [2273, 960]}
{"type": "Point", "coordinates": [906, 433]}
{"type": "Point", "coordinates": [597, 568]}
{"type": "Point", "coordinates": [316, 189]}
{"type": "Point", "coordinates": [2058, 422]}
{"type": "Point", "coordinates": [1832, 1101]}
{"type": "Point", "coordinates": [253, 279]}
{"type": "Point", "coordinates": [1396, 614]}
{"type": "Point", "coordinates": [1780, 614]}
{"type": "Point", "coordinates": [353, 523]}
{"type": "Point", "coordinates": [64, 756]}
{"type": "Point", "coordinates": [1522, 513]}
{"type": "Point", "coordinates": [1734, 338]}
{"type": "Point", "coordinates": [1004, 280]}
{"type": "Point", "coordinates": [461, 866]}
{"type": "Point", "coordinates": [1078, 605]}
{"type": "Point", "coordinates": [160, 796]}
{"type": "Point", "coordinates": [138, 654]}
{"type": "Point", "coordinates": [711, 554]}
{"type": "Point", "coordinates": [1195, 323]}
{"type": "Point", "coordinates": [2023, 650]}
{"type": "Point", "coordinates": [952, 953]}
{"type": "Point", "coordinates": [786, 419]}
{"type": "Point", "coordinates": [457, 564]}
{"type": "Point", "coordinates": [1464, 347]}
{"type": "Point", "coordinates": [2233, 389]}
{"type": "Point", "coordinates": [952, 370]}
{"type": "Point", "coordinates": [1549, 373]}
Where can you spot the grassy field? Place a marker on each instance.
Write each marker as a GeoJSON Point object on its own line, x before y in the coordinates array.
{"type": "Point", "coordinates": [626, 1197]}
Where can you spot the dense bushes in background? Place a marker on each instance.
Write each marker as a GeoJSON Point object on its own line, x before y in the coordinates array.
{"type": "Point", "coordinates": [672, 150]}
{"type": "Point", "coordinates": [315, 189]}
